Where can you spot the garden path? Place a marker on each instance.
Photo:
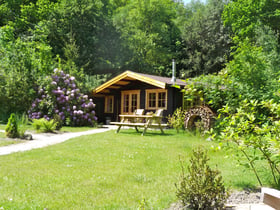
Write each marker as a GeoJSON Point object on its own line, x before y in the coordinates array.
{"type": "Point", "coordinates": [46, 139]}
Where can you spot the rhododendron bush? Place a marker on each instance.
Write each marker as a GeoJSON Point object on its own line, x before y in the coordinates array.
{"type": "Point", "coordinates": [61, 98]}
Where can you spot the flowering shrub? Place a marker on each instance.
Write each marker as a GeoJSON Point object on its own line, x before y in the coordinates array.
{"type": "Point", "coordinates": [61, 97]}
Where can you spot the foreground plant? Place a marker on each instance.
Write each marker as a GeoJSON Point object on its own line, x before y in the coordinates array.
{"type": "Point", "coordinates": [254, 131]}
{"type": "Point", "coordinates": [202, 187]}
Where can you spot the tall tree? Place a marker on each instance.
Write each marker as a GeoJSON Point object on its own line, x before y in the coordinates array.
{"type": "Point", "coordinates": [205, 39]}
{"type": "Point", "coordinates": [150, 33]}
{"type": "Point", "coordinates": [245, 16]}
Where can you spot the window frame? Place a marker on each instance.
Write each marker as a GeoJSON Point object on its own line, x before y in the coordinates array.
{"type": "Point", "coordinates": [109, 108]}
{"type": "Point", "coordinates": [157, 92]}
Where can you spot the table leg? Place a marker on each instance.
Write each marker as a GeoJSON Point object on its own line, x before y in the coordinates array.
{"type": "Point", "coordinates": [146, 126]}
{"type": "Point", "coordinates": [159, 125]}
{"type": "Point", "coordinates": [136, 129]}
{"type": "Point", "coordinates": [118, 129]}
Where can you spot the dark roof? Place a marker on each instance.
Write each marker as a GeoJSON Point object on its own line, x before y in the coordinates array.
{"type": "Point", "coordinates": [166, 80]}
{"type": "Point", "coordinates": [128, 76]}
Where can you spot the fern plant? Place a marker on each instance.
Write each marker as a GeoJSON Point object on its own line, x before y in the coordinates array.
{"type": "Point", "coordinates": [44, 125]}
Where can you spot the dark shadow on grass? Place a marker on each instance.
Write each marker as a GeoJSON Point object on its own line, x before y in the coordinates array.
{"type": "Point", "coordinates": [247, 187]}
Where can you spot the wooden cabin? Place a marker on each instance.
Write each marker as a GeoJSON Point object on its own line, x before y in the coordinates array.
{"type": "Point", "coordinates": [129, 91]}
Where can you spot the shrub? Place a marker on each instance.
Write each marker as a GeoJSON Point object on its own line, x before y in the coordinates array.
{"type": "Point", "coordinates": [12, 128]}
{"type": "Point", "coordinates": [253, 130]}
{"type": "Point", "coordinates": [22, 122]}
{"type": "Point", "coordinates": [177, 119]}
{"type": "Point", "coordinates": [202, 187]}
{"type": "Point", "coordinates": [44, 125]}
{"type": "Point", "coordinates": [61, 97]}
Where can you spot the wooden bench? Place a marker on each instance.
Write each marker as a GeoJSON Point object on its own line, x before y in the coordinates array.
{"type": "Point", "coordinates": [271, 197]}
{"type": "Point", "coordinates": [144, 121]}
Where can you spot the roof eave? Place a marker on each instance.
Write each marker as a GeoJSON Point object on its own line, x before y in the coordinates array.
{"type": "Point", "coordinates": [131, 75]}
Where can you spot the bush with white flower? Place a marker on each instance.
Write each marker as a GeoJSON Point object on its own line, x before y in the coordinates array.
{"type": "Point", "coordinates": [61, 98]}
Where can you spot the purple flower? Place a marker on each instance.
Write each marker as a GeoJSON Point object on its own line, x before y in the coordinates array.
{"type": "Point", "coordinates": [74, 107]}
{"type": "Point", "coordinates": [53, 83]}
{"type": "Point", "coordinates": [72, 78]}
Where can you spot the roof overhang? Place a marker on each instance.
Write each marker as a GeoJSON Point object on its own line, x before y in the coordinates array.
{"type": "Point", "coordinates": [124, 79]}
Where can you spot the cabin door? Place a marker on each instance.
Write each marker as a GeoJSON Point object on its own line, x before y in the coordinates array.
{"type": "Point", "coordinates": [130, 101]}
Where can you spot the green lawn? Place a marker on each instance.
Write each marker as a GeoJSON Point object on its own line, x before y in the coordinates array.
{"type": "Point", "coordinates": [5, 141]}
{"type": "Point", "coordinates": [106, 171]}
{"type": "Point", "coordinates": [64, 128]}
{"type": "Point", "coordinates": [2, 126]}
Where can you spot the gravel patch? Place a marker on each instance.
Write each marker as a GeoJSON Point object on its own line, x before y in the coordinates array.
{"type": "Point", "coordinates": [246, 196]}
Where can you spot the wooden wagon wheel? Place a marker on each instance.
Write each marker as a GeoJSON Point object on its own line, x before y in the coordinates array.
{"type": "Point", "coordinates": [199, 117]}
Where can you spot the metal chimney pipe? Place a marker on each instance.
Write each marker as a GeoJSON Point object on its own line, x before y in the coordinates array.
{"type": "Point", "coordinates": [173, 79]}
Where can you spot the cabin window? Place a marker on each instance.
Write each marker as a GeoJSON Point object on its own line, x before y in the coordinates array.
{"type": "Point", "coordinates": [156, 99]}
{"type": "Point", "coordinates": [109, 104]}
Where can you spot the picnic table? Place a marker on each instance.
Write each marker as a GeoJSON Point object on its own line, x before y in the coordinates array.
{"type": "Point", "coordinates": [144, 121]}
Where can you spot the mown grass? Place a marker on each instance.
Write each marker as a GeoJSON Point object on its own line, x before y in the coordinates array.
{"type": "Point", "coordinates": [5, 141]}
{"type": "Point", "coordinates": [106, 171]}
{"type": "Point", "coordinates": [63, 129]}
{"type": "Point", "coordinates": [75, 129]}
{"type": "Point", "coordinates": [2, 126]}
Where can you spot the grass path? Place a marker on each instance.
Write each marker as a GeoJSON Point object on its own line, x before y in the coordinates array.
{"type": "Point", "coordinates": [106, 171]}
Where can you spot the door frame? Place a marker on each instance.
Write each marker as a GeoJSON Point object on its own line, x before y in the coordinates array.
{"type": "Point", "coordinates": [129, 93]}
